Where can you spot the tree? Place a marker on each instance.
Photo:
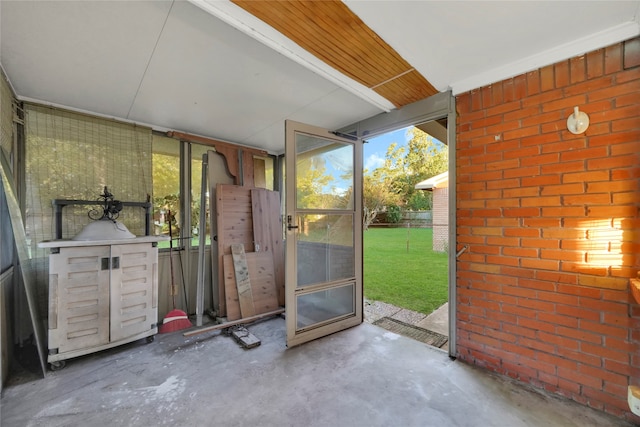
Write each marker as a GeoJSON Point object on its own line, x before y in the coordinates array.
{"type": "Point", "coordinates": [404, 166]}
{"type": "Point", "coordinates": [375, 195]}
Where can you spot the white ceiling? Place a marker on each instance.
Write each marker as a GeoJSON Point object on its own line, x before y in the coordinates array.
{"type": "Point", "coordinates": [209, 68]}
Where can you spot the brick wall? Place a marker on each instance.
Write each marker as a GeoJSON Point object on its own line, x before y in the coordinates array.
{"type": "Point", "coordinates": [552, 223]}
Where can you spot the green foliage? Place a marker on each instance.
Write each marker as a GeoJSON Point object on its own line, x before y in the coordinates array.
{"type": "Point", "coordinates": [394, 214]}
{"type": "Point", "coordinates": [420, 201]}
{"type": "Point", "coordinates": [416, 279]}
{"type": "Point", "coordinates": [404, 167]}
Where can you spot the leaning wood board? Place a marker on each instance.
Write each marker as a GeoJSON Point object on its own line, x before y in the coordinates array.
{"type": "Point", "coordinates": [263, 289]}
{"type": "Point", "coordinates": [243, 280]}
{"type": "Point", "coordinates": [267, 231]}
{"type": "Point", "coordinates": [234, 224]}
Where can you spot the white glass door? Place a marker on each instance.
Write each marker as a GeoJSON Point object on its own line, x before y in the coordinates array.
{"type": "Point", "coordinates": [324, 233]}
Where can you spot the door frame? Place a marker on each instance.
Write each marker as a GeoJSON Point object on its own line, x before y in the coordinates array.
{"type": "Point", "coordinates": [435, 107]}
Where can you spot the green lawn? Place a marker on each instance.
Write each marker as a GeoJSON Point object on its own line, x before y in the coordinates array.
{"type": "Point", "coordinates": [415, 278]}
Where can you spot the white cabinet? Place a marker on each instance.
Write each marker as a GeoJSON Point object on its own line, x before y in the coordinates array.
{"type": "Point", "coordinates": [101, 294]}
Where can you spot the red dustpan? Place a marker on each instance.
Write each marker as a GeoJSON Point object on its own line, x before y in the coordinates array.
{"type": "Point", "coordinates": [175, 320]}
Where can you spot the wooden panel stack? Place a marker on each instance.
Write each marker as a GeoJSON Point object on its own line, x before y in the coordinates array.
{"type": "Point", "coordinates": [250, 217]}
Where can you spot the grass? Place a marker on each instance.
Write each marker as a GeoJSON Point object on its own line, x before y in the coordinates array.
{"type": "Point", "coordinates": [400, 268]}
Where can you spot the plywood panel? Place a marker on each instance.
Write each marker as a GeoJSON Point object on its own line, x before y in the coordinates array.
{"type": "Point", "coordinates": [235, 226]}
{"type": "Point", "coordinates": [267, 231]}
{"type": "Point", "coordinates": [263, 290]}
{"type": "Point", "coordinates": [243, 281]}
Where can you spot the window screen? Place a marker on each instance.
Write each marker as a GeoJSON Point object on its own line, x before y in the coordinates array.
{"type": "Point", "coordinates": [74, 156]}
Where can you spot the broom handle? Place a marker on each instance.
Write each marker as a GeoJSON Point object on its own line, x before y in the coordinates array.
{"type": "Point", "coordinates": [173, 285]}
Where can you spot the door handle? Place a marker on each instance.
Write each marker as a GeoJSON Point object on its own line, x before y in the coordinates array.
{"type": "Point", "coordinates": [289, 226]}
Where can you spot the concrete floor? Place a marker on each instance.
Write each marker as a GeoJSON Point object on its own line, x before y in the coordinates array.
{"type": "Point", "coordinates": [364, 376]}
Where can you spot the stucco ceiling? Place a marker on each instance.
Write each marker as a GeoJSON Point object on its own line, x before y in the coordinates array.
{"type": "Point", "coordinates": [210, 68]}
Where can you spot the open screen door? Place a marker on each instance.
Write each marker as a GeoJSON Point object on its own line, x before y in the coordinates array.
{"type": "Point", "coordinates": [324, 233]}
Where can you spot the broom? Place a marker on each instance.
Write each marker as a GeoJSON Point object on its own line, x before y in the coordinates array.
{"type": "Point", "coordinates": [175, 320]}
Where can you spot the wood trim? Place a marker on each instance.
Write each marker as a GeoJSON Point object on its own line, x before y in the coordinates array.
{"type": "Point", "coordinates": [214, 142]}
{"type": "Point", "coordinates": [231, 154]}
{"type": "Point", "coordinates": [336, 35]}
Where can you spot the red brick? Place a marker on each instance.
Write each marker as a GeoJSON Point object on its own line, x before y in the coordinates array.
{"type": "Point", "coordinates": [613, 59]}
{"type": "Point", "coordinates": [588, 153]}
{"type": "Point", "coordinates": [612, 211]}
{"type": "Point", "coordinates": [522, 113]}
{"type": "Point", "coordinates": [541, 159]}
{"type": "Point", "coordinates": [521, 192]}
{"type": "Point", "coordinates": [564, 211]}
{"type": "Point", "coordinates": [614, 162]}
{"type": "Point", "coordinates": [614, 138]}
{"type": "Point", "coordinates": [542, 264]}
{"type": "Point", "coordinates": [521, 232]}
{"type": "Point", "coordinates": [609, 331]}
{"type": "Point", "coordinates": [624, 125]}
{"type": "Point", "coordinates": [522, 171]}
{"type": "Point", "coordinates": [502, 260]}
{"type": "Point", "coordinates": [536, 344]}
{"type": "Point", "coordinates": [562, 146]}
{"type": "Point", "coordinates": [523, 154]}
{"type": "Point", "coordinates": [583, 199]}
{"type": "Point", "coordinates": [540, 243]}
{"type": "Point", "coordinates": [503, 222]}
{"type": "Point", "coordinates": [521, 212]}
{"type": "Point", "coordinates": [562, 255]}
{"type": "Point", "coordinates": [612, 91]}
{"type": "Point", "coordinates": [487, 158]}
{"type": "Point", "coordinates": [561, 73]}
{"type": "Point", "coordinates": [559, 298]}
{"type": "Point", "coordinates": [579, 356]}
{"type": "Point", "coordinates": [503, 183]}
{"type": "Point", "coordinates": [556, 277]}
{"type": "Point", "coordinates": [595, 64]}
{"type": "Point", "coordinates": [573, 375]}
{"type": "Point", "coordinates": [503, 241]}
{"type": "Point", "coordinates": [595, 395]}
{"type": "Point", "coordinates": [542, 180]}
{"type": "Point", "coordinates": [613, 186]}
{"type": "Point", "coordinates": [517, 272]}
{"type": "Point", "coordinates": [540, 201]}
{"type": "Point", "coordinates": [546, 78]}
{"type": "Point", "coordinates": [586, 176]}
{"type": "Point", "coordinates": [560, 320]}
{"type": "Point", "coordinates": [576, 188]}
{"type": "Point", "coordinates": [578, 69]}
{"type": "Point", "coordinates": [551, 117]}
{"type": "Point", "coordinates": [628, 148]}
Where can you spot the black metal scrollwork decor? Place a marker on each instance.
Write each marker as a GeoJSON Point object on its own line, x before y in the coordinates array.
{"type": "Point", "coordinates": [110, 207]}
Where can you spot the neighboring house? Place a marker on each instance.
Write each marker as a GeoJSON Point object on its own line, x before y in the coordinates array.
{"type": "Point", "coordinates": [439, 185]}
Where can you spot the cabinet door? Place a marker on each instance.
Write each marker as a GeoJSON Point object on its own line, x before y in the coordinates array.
{"type": "Point", "coordinates": [134, 290]}
{"type": "Point", "coordinates": [79, 298]}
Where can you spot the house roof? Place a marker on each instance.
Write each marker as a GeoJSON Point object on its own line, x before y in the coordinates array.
{"type": "Point", "coordinates": [438, 181]}
{"type": "Point", "coordinates": [235, 70]}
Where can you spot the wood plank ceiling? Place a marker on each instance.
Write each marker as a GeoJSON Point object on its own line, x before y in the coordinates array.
{"type": "Point", "coordinates": [334, 34]}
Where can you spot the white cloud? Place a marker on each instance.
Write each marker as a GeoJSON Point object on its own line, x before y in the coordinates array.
{"type": "Point", "coordinates": [374, 161]}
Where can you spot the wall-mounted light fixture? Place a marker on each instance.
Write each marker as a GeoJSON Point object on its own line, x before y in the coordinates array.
{"type": "Point", "coordinates": [578, 122]}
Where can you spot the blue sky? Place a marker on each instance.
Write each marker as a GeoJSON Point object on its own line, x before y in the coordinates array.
{"type": "Point", "coordinates": [376, 148]}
